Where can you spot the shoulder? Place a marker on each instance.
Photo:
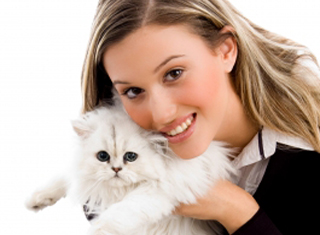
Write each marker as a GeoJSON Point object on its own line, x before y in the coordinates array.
{"type": "Point", "coordinates": [293, 170]}
{"type": "Point", "coordinates": [289, 166]}
{"type": "Point", "coordinates": [294, 160]}
{"type": "Point", "coordinates": [289, 188]}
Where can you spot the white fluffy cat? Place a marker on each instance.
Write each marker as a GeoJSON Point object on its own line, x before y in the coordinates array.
{"type": "Point", "coordinates": [132, 180]}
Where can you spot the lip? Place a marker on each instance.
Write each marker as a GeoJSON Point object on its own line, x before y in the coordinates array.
{"type": "Point", "coordinates": [176, 123]}
{"type": "Point", "coordinates": [182, 136]}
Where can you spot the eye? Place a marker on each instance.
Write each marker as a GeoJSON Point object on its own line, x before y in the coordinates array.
{"type": "Point", "coordinates": [130, 157]}
{"type": "Point", "coordinates": [173, 75]}
{"type": "Point", "coordinates": [133, 92]}
{"type": "Point", "coordinates": [103, 156]}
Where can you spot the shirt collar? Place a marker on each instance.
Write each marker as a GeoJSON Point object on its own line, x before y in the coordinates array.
{"type": "Point", "coordinates": [264, 145]}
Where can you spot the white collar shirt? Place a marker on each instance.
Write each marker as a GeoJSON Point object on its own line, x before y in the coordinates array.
{"type": "Point", "coordinates": [252, 162]}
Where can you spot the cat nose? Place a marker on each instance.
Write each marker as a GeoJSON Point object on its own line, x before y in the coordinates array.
{"type": "Point", "coordinates": [116, 169]}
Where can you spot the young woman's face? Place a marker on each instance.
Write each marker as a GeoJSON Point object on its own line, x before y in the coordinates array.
{"type": "Point", "coordinates": [170, 81]}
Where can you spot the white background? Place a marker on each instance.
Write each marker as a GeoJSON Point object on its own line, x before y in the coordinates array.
{"type": "Point", "coordinates": [42, 47]}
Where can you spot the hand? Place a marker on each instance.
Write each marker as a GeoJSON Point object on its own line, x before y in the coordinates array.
{"type": "Point", "coordinates": [225, 202]}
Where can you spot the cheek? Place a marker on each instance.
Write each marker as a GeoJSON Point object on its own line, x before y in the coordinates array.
{"type": "Point", "coordinates": [139, 115]}
{"type": "Point", "coordinates": [208, 95]}
{"type": "Point", "coordinates": [203, 90]}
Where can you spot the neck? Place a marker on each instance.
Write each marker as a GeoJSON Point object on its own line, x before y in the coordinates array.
{"type": "Point", "coordinates": [239, 129]}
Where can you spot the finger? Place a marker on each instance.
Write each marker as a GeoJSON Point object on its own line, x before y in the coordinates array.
{"type": "Point", "coordinates": [177, 211]}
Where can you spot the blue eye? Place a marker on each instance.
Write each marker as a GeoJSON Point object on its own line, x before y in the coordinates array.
{"type": "Point", "coordinates": [133, 92]}
{"type": "Point", "coordinates": [130, 157]}
{"type": "Point", "coordinates": [103, 156]}
{"type": "Point", "coordinates": [173, 75]}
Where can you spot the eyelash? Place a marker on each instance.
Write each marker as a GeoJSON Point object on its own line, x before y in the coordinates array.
{"type": "Point", "coordinates": [126, 92]}
{"type": "Point", "coordinates": [165, 78]}
{"type": "Point", "coordinates": [174, 70]}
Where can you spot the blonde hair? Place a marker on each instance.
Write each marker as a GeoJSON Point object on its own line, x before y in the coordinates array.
{"type": "Point", "coordinates": [276, 88]}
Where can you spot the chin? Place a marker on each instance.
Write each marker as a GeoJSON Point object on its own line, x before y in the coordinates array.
{"type": "Point", "coordinates": [193, 147]}
{"type": "Point", "coordinates": [189, 153]}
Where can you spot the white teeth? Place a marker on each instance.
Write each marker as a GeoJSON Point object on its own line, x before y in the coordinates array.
{"type": "Point", "coordinates": [181, 128]}
{"type": "Point", "coordinates": [172, 133]}
{"type": "Point", "coordinates": [184, 126]}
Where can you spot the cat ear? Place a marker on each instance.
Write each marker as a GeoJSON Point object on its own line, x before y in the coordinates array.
{"type": "Point", "coordinates": [116, 98]}
{"type": "Point", "coordinates": [160, 144]}
{"type": "Point", "coordinates": [80, 126]}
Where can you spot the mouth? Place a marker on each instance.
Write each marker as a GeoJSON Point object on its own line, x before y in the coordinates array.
{"type": "Point", "coordinates": [183, 131]}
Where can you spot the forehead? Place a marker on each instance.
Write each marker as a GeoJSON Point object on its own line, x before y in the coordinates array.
{"type": "Point", "coordinates": [149, 46]}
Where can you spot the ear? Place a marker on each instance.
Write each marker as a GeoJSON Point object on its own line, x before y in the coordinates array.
{"type": "Point", "coordinates": [228, 49]}
{"type": "Point", "coordinates": [81, 127]}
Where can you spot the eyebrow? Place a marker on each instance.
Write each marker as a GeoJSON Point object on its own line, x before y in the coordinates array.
{"type": "Point", "coordinates": [156, 69]}
{"type": "Point", "coordinates": [120, 82]}
{"type": "Point", "coordinates": [167, 61]}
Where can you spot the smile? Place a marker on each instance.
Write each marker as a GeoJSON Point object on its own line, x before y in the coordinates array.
{"type": "Point", "coordinates": [181, 128]}
{"type": "Point", "coordinates": [181, 132]}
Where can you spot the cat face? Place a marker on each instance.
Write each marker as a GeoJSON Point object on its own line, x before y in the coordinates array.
{"type": "Point", "coordinates": [115, 151]}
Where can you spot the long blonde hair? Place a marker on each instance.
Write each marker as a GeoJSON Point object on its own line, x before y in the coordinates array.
{"type": "Point", "coordinates": [277, 90]}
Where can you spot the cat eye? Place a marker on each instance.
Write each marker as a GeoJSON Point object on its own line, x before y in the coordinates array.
{"type": "Point", "coordinates": [130, 157]}
{"type": "Point", "coordinates": [103, 156]}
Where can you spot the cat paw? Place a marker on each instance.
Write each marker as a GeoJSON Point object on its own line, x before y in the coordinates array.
{"type": "Point", "coordinates": [48, 195]}
{"type": "Point", "coordinates": [40, 200]}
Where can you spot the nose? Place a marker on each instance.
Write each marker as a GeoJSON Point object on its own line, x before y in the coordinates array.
{"type": "Point", "coordinates": [116, 169]}
{"type": "Point", "coordinates": [163, 108]}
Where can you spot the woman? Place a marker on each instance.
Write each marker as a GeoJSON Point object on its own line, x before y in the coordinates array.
{"type": "Point", "coordinates": [197, 71]}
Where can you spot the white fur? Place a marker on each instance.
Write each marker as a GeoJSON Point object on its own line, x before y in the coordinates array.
{"type": "Point", "coordinates": [142, 198]}
{"type": "Point", "coordinates": [48, 195]}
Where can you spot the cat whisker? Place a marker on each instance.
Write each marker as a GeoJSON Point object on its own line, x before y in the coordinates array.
{"type": "Point", "coordinates": [90, 187]}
